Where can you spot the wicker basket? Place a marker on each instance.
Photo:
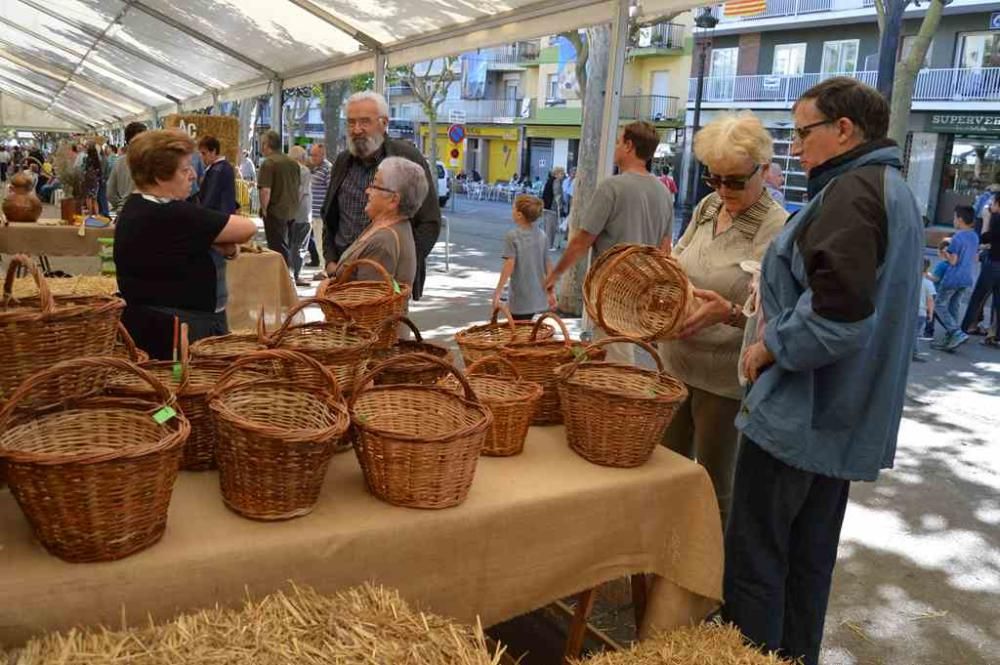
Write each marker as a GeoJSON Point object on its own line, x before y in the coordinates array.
{"type": "Point", "coordinates": [418, 445]}
{"type": "Point", "coordinates": [368, 303]}
{"type": "Point", "coordinates": [38, 332]}
{"type": "Point", "coordinates": [125, 347]}
{"type": "Point", "coordinates": [415, 370]}
{"type": "Point", "coordinates": [511, 400]}
{"type": "Point", "coordinates": [478, 342]}
{"type": "Point", "coordinates": [93, 473]}
{"type": "Point", "coordinates": [638, 291]}
{"type": "Point", "coordinates": [616, 414]}
{"type": "Point", "coordinates": [275, 437]}
{"type": "Point", "coordinates": [339, 344]}
{"type": "Point", "coordinates": [536, 360]}
{"type": "Point", "coordinates": [232, 346]}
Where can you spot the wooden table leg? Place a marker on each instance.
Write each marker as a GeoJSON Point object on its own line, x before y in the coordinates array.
{"type": "Point", "coordinates": [638, 583]}
{"type": "Point", "coordinates": [578, 627]}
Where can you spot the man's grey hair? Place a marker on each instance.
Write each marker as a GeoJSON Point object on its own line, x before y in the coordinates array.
{"type": "Point", "coordinates": [370, 95]}
{"type": "Point", "coordinates": [272, 139]}
{"type": "Point", "coordinates": [407, 179]}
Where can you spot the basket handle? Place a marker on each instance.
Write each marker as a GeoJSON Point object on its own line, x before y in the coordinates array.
{"type": "Point", "coordinates": [585, 356]}
{"type": "Point", "coordinates": [366, 380]}
{"type": "Point", "coordinates": [324, 304]}
{"type": "Point", "coordinates": [555, 317]}
{"type": "Point", "coordinates": [45, 298]}
{"type": "Point", "coordinates": [226, 381]}
{"type": "Point", "coordinates": [399, 318]}
{"type": "Point", "coordinates": [162, 393]}
{"type": "Point", "coordinates": [348, 268]}
{"type": "Point", "coordinates": [503, 309]}
{"type": "Point", "coordinates": [493, 360]}
{"type": "Point", "coordinates": [130, 348]}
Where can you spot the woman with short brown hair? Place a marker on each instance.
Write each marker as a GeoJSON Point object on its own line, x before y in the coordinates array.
{"type": "Point", "coordinates": [170, 254]}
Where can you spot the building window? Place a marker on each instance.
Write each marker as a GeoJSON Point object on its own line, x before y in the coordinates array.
{"type": "Point", "coordinates": [978, 49]}
{"type": "Point", "coordinates": [510, 91]}
{"type": "Point", "coordinates": [789, 60]}
{"type": "Point", "coordinates": [840, 57]}
{"type": "Point", "coordinates": [724, 62]}
{"type": "Point", "coordinates": [552, 87]}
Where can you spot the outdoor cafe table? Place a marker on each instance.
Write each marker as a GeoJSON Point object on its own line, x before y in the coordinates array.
{"type": "Point", "coordinates": [536, 528]}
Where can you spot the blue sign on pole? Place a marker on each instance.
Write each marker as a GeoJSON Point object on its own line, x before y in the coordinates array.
{"type": "Point", "coordinates": [995, 21]}
{"type": "Point", "coordinates": [456, 133]}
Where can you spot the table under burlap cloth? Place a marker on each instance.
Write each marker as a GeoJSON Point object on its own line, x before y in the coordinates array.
{"type": "Point", "coordinates": [535, 528]}
{"type": "Point", "coordinates": [35, 239]}
{"type": "Point", "coordinates": [256, 280]}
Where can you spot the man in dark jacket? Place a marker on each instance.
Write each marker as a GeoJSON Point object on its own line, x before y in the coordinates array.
{"type": "Point", "coordinates": [218, 186]}
{"type": "Point", "coordinates": [839, 289]}
{"type": "Point", "coordinates": [353, 172]}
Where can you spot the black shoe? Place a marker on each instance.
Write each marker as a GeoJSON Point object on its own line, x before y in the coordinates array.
{"type": "Point", "coordinates": [312, 264]}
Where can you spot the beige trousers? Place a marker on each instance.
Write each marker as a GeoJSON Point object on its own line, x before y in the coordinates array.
{"type": "Point", "coordinates": [317, 229]}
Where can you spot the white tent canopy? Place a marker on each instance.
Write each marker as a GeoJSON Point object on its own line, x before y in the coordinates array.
{"type": "Point", "coordinates": [97, 63]}
{"type": "Point", "coordinates": [30, 117]}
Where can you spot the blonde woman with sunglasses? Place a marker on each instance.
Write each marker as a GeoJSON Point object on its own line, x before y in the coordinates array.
{"type": "Point", "coordinates": [732, 225]}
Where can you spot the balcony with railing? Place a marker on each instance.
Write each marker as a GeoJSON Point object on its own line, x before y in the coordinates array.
{"type": "Point", "coordinates": [511, 56]}
{"type": "Point", "coordinates": [657, 38]}
{"type": "Point", "coordinates": [931, 85]}
{"type": "Point", "coordinates": [502, 111]}
{"type": "Point", "coordinates": [785, 8]}
{"type": "Point", "coordinates": [653, 108]}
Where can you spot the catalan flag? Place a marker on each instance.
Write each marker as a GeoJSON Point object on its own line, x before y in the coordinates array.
{"type": "Point", "coordinates": [745, 7]}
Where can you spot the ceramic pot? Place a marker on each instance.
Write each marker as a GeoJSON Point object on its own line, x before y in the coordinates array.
{"type": "Point", "coordinates": [69, 207]}
{"type": "Point", "coordinates": [21, 205]}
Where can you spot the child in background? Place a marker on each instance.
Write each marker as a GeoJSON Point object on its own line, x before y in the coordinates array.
{"type": "Point", "coordinates": [942, 263]}
{"type": "Point", "coordinates": [925, 309]}
{"type": "Point", "coordinates": [525, 262]}
{"type": "Point", "coordinates": [956, 284]}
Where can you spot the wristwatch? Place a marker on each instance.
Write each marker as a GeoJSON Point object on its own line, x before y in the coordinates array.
{"type": "Point", "coordinates": [734, 315]}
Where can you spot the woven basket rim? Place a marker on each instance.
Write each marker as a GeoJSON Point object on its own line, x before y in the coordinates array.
{"type": "Point", "coordinates": [25, 314]}
{"type": "Point", "coordinates": [300, 435]}
{"type": "Point", "coordinates": [663, 378]}
{"type": "Point", "coordinates": [373, 392]}
{"type": "Point", "coordinates": [531, 390]}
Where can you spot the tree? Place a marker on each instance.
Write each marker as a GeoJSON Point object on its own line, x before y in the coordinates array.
{"type": "Point", "coordinates": [295, 116]}
{"type": "Point", "coordinates": [430, 90]}
{"type": "Point", "coordinates": [907, 69]}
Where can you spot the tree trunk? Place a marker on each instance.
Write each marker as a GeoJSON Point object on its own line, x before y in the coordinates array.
{"type": "Point", "coordinates": [907, 71]}
{"type": "Point", "coordinates": [598, 55]}
{"type": "Point", "coordinates": [432, 155]}
{"type": "Point", "coordinates": [333, 98]}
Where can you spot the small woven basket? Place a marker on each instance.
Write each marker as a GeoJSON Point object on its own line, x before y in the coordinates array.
{"type": "Point", "coordinates": [511, 400]}
{"type": "Point", "coordinates": [92, 472]}
{"type": "Point", "coordinates": [617, 414]}
{"type": "Point", "coordinates": [480, 341]}
{"type": "Point", "coordinates": [638, 291]}
{"type": "Point", "coordinates": [536, 360]}
{"type": "Point", "coordinates": [414, 370]}
{"type": "Point", "coordinates": [418, 445]}
{"type": "Point", "coordinates": [232, 346]}
{"type": "Point", "coordinates": [339, 344]}
{"type": "Point", "coordinates": [368, 303]}
{"type": "Point", "coordinates": [38, 332]}
{"type": "Point", "coordinates": [276, 437]}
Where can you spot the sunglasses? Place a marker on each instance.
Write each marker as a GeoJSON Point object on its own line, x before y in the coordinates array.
{"type": "Point", "coordinates": [730, 182]}
{"type": "Point", "coordinates": [802, 133]}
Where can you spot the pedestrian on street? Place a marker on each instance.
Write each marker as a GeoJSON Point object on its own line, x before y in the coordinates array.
{"type": "Point", "coordinates": [320, 169]}
{"type": "Point", "coordinates": [525, 263]}
{"type": "Point", "coordinates": [956, 284]}
{"type": "Point", "coordinates": [298, 234]}
{"type": "Point", "coordinates": [278, 180]}
{"type": "Point", "coordinates": [354, 169]}
{"type": "Point", "coordinates": [839, 287]}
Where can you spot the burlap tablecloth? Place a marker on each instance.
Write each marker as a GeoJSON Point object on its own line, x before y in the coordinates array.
{"type": "Point", "coordinates": [255, 281]}
{"type": "Point", "coordinates": [34, 239]}
{"type": "Point", "coordinates": [535, 528]}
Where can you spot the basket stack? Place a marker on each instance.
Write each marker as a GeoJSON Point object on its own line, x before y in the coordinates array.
{"type": "Point", "coordinates": [616, 414]}
{"type": "Point", "coordinates": [92, 472]}
{"type": "Point", "coordinates": [536, 360]}
{"type": "Point", "coordinates": [510, 399]}
{"type": "Point", "coordinates": [418, 445]}
{"type": "Point", "coordinates": [368, 303]}
{"type": "Point", "coordinates": [275, 436]}
{"type": "Point", "coordinates": [414, 370]}
{"type": "Point", "coordinates": [480, 341]}
{"type": "Point", "coordinates": [637, 291]}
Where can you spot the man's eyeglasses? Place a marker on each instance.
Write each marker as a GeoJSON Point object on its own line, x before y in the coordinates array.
{"type": "Point", "coordinates": [730, 182]}
{"type": "Point", "coordinates": [802, 133]}
{"type": "Point", "coordinates": [381, 188]}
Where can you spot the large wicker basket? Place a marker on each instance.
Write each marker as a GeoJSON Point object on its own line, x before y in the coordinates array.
{"type": "Point", "coordinates": [339, 344]}
{"type": "Point", "coordinates": [617, 414]}
{"type": "Point", "coordinates": [125, 347]}
{"type": "Point", "coordinates": [479, 341]}
{"type": "Point", "coordinates": [414, 370]}
{"type": "Point", "coordinates": [38, 332]}
{"type": "Point", "coordinates": [230, 347]}
{"type": "Point", "coordinates": [638, 291]}
{"type": "Point", "coordinates": [368, 303]}
{"type": "Point", "coordinates": [418, 445]}
{"type": "Point", "coordinates": [275, 436]}
{"type": "Point", "coordinates": [511, 400]}
{"type": "Point", "coordinates": [93, 472]}
{"type": "Point", "coordinates": [536, 360]}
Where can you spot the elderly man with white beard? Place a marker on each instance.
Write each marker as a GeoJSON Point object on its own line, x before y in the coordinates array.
{"type": "Point", "coordinates": [353, 172]}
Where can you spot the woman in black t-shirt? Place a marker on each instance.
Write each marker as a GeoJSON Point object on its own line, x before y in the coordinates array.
{"type": "Point", "coordinates": [170, 254]}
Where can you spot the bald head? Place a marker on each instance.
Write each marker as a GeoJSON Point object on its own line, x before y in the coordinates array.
{"type": "Point", "coordinates": [774, 176]}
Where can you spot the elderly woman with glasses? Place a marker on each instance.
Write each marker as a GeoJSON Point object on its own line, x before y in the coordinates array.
{"type": "Point", "coordinates": [730, 226]}
{"type": "Point", "coordinates": [394, 196]}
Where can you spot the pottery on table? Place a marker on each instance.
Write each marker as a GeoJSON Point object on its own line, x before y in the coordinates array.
{"type": "Point", "coordinates": [21, 204]}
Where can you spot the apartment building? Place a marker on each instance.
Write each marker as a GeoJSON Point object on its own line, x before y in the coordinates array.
{"type": "Point", "coordinates": [763, 63]}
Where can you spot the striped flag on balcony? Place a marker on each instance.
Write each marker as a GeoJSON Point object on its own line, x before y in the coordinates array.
{"type": "Point", "coordinates": [745, 7]}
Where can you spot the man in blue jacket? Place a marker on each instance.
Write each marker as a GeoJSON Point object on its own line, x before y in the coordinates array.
{"type": "Point", "coordinates": [839, 287]}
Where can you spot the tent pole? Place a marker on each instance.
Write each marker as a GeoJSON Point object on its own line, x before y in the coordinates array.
{"type": "Point", "coordinates": [380, 71]}
{"type": "Point", "coordinates": [613, 88]}
{"type": "Point", "coordinates": [276, 123]}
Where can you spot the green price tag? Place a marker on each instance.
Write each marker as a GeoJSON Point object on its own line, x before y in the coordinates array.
{"type": "Point", "coordinates": [395, 287]}
{"type": "Point", "coordinates": [178, 371]}
{"type": "Point", "coordinates": [578, 352]}
{"type": "Point", "coordinates": [164, 414]}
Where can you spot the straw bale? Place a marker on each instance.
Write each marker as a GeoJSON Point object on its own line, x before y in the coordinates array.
{"type": "Point", "coordinates": [84, 285]}
{"type": "Point", "coordinates": [367, 624]}
{"type": "Point", "coordinates": [226, 128]}
{"type": "Point", "coordinates": [705, 644]}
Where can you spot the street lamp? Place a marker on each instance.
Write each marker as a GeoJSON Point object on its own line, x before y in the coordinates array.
{"type": "Point", "coordinates": [706, 21]}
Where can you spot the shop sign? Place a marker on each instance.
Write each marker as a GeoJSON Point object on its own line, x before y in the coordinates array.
{"type": "Point", "coordinates": [961, 123]}
{"type": "Point", "coordinates": [995, 21]}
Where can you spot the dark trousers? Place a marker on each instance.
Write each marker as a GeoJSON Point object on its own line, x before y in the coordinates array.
{"type": "Point", "coordinates": [781, 546]}
{"type": "Point", "coordinates": [278, 232]}
{"type": "Point", "coordinates": [152, 328]}
{"type": "Point", "coordinates": [987, 284]}
{"type": "Point", "coordinates": [297, 235]}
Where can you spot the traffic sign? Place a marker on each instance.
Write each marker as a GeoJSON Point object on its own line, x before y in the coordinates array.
{"type": "Point", "coordinates": [995, 21]}
{"type": "Point", "coordinates": [456, 133]}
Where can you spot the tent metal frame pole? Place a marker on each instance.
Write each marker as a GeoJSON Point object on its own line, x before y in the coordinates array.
{"type": "Point", "coordinates": [380, 72]}
{"type": "Point", "coordinates": [6, 80]}
{"type": "Point", "coordinates": [340, 24]}
{"type": "Point", "coordinates": [276, 107]}
{"type": "Point", "coordinates": [613, 88]}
